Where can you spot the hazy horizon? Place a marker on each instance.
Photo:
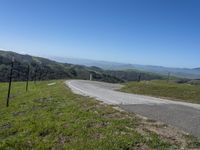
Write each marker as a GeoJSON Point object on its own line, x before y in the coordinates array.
{"type": "Point", "coordinates": [88, 59]}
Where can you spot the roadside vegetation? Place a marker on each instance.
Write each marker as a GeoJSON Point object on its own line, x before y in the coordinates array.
{"type": "Point", "coordinates": [52, 117]}
{"type": "Point", "coordinates": [160, 88]}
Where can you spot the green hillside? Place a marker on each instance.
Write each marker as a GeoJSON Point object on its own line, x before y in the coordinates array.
{"type": "Point", "coordinates": [45, 69]}
{"type": "Point", "coordinates": [132, 75]}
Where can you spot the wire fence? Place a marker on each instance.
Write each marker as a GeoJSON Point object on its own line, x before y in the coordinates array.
{"type": "Point", "coordinates": [18, 72]}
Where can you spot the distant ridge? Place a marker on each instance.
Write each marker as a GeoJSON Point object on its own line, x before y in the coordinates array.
{"type": "Point", "coordinates": [197, 68]}
{"type": "Point", "coordinates": [179, 72]}
{"type": "Point", "coordinates": [46, 69]}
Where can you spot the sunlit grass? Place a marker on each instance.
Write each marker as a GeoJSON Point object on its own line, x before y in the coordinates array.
{"type": "Point", "coordinates": [171, 90]}
{"type": "Point", "coordinates": [52, 117]}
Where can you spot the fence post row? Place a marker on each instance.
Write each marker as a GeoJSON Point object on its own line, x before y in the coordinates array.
{"type": "Point", "coordinates": [10, 80]}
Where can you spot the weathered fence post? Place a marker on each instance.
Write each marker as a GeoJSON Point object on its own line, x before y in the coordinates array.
{"type": "Point", "coordinates": [27, 79]}
{"type": "Point", "coordinates": [35, 76]}
{"type": "Point", "coordinates": [10, 81]}
{"type": "Point", "coordinates": [168, 78]}
{"type": "Point", "coordinates": [91, 77]}
{"type": "Point", "coordinates": [139, 77]}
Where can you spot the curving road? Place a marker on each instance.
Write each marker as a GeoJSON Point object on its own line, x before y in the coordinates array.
{"type": "Point", "coordinates": [185, 116]}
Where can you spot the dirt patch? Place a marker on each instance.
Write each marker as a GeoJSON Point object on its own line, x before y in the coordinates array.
{"type": "Point", "coordinates": [6, 125]}
{"type": "Point", "coordinates": [43, 100]}
{"type": "Point", "coordinates": [61, 141]}
{"type": "Point", "coordinates": [141, 147]}
{"type": "Point", "coordinates": [20, 113]}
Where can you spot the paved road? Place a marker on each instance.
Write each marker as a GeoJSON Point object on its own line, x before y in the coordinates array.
{"type": "Point", "coordinates": [185, 116]}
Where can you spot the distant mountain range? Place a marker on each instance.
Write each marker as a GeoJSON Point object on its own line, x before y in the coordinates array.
{"type": "Point", "coordinates": [178, 72]}
{"type": "Point", "coordinates": [45, 69]}
{"type": "Point", "coordinates": [197, 68]}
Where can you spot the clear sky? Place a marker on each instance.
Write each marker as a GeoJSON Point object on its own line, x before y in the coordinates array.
{"type": "Point", "coordinates": [152, 32]}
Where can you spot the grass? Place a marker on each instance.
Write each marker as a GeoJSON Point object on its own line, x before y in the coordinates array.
{"type": "Point", "coordinates": [171, 90]}
{"type": "Point", "coordinates": [52, 117]}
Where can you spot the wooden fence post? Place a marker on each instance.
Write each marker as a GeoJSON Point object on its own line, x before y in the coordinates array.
{"type": "Point", "coordinates": [10, 81]}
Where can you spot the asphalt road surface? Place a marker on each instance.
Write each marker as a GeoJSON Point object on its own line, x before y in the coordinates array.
{"type": "Point", "coordinates": [185, 116]}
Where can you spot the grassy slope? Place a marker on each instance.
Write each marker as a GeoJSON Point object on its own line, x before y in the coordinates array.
{"type": "Point", "coordinates": [52, 117]}
{"type": "Point", "coordinates": [182, 92]}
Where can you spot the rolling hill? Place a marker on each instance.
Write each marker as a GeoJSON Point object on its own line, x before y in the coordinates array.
{"type": "Point", "coordinates": [45, 69]}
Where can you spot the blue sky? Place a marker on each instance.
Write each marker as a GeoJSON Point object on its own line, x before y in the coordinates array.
{"type": "Point", "coordinates": [152, 32]}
